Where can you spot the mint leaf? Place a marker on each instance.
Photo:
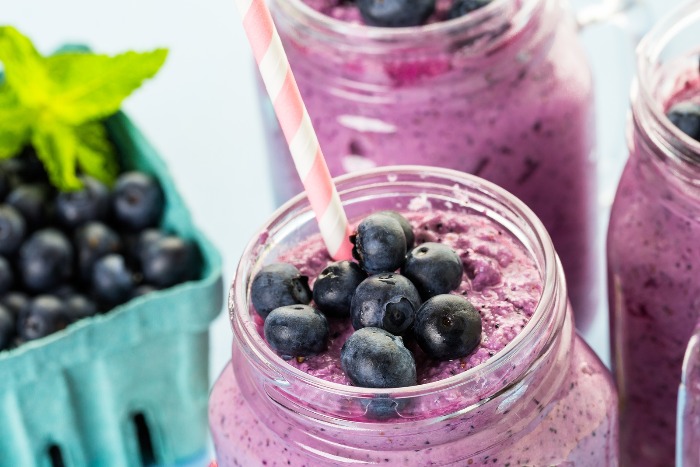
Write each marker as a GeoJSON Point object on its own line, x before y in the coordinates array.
{"type": "Point", "coordinates": [96, 155]}
{"type": "Point", "coordinates": [25, 71]}
{"type": "Point", "coordinates": [56, 146]}
{"type": "Point", "coordinates": [55, 103]}
{"type": "Point", "coordinates": [87, 87]}
{"type": "Point", "coordinates": [15, 124]}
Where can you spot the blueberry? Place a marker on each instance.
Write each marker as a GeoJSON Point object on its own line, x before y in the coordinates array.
{"type": "Point", "coordinates": [91, 203]}
{"type": "Point", "coordinates": [32, 201]}
{"type": "Point", "coordinates": [462, 7]}
{"type": "Point", "coordinates": [78, 306]}
{"type": "Point", "coordinates": [45, 315]}
{"type": "Point", "coordinates": [279, 284]}
{"type": "Point", "coordinates": [374, 358]}
{"type": "Point", "coordinates": [296, 330]}
{"type": "Point", "coordinates": [135, 244]}
{"type": "Point", "coordinates": [45, 260]}
{"type": "Point", "coordinates": [433, 268]}
{"type": "Point", "coordinates": [379, 244]}
{"type": "Point", "coordinates": [147, 238]}
{"type": "Point", "coordinates": [15, 302]}
{"type": "Point", "coordinates": [112, 281]}
{"type": "Point", "coordinates": [447, 327]}
{"type": "Point", "coordinates": [137, 201]}
{"type": "Point", "coordinates": [686, 116]}
{"type": "Point", "coordinates": [388, 301]}
{"type": "Point", "coordinates": [395, 13]}
{"type": "Point", "coordinates": [169, 261]}
{"type": "Point", "coordinates": [405, 225]}
{"type": "Point", "coordinates": [383, 407]}
{"type": "Point", "coordinates": [335, 286]}
{"type": "Point", "coordinates": [7, 328]}
{"type": "Point", "coordinates": [93, 241]}
{"type": "Point", "coordinates": [12, 229]}
{"type": "Point", "coordinates": [7, 278]}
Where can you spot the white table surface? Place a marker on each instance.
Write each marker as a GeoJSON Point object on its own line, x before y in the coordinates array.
{"type": "Point", "coordinates": [202, 113]}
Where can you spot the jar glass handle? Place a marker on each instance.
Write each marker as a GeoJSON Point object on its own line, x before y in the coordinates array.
{"type": "Point", "coordinates": [688, 420]}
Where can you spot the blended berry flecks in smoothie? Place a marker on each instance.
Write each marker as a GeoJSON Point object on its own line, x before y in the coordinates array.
{"type": "Point", "coordinates": [653, 257]}
{"type": "Point", "coordinates": [504, 93]}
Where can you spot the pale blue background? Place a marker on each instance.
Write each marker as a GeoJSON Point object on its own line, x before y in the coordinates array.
{"type": "Point", "coordinates": [202, 111]}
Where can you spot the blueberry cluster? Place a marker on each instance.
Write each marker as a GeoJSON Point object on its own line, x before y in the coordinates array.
{"type": "Point", "coordinates": [382, 304]}
{"type": "Point", "coordinates": [66, 256]}
{"type": "Point", "coordinates": [404, 13]}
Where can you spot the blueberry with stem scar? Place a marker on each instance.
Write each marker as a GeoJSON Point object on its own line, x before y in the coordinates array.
{"type": "Point", "coordinates": [447, 327]}
{"type": "Point", "coordinates": [388, 301]}
{"type": "Point", "coordinates": [433, 268]}
{"type": "Point", "coordinates": [138, 201]}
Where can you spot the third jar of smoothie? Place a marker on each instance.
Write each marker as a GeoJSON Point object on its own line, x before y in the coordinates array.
{"type": "Point", "coordinates": [531, 392]}
{"type": "Point", "coordinates": [654, 240]}
{"type": "Point", "coordinates": [503, 92]}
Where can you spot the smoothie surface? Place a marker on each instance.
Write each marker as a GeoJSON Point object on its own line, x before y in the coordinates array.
{"type": "Point", "coordinates": [500, 279]}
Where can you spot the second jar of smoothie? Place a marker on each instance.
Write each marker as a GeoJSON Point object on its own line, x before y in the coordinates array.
{"type": "Point", "coordinates": [652, 250]}
{"type": "Point", "coordinates": [531, 393]}
{"type": "Point", "coordinates": [503, 92]}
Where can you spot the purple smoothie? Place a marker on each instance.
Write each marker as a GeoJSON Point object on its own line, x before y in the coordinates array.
{"type": "Point", "coordinates": [504, 93]}
{"type": "Point", "coordinates": [500, 280]}
{"type": "Point", "coordinates": [654, 290]}
{"type": "Point", "coordinates": [652, 250]}
{"type": "Point", "coordinates": [531, 394]}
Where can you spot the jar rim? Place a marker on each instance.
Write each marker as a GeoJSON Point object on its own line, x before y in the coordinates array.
{"type": "Point", "coordinates": [674, 143]}
{"type": "Point", "coordinates": [334, 26]}
{"type": "Point", "coordinates": [549, 312]}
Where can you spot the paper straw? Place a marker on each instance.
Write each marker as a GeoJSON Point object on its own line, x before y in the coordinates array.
{"type": "Point", "coordinates": [296, 126]}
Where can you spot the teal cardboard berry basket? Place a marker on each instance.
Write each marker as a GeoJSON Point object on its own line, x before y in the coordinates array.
{"type": "Point", "coordinates": [128, 387]}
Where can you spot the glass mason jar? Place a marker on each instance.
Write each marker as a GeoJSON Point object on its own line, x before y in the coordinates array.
{"type": "Point", "coordinates": [504, 93]}
{"type": "Point", "coordinates": [545, 399]}
{"type": "Point", "coordinates": [653, 252]}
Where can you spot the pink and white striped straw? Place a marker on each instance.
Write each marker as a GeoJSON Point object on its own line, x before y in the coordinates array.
{"type": "Point", "coordinates": [296, 126]}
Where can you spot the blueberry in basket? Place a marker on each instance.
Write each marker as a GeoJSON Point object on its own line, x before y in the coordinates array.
{"type": "Point", "coordinates": [68, 255]}
{"type": "Point", "coordinates": [80, 229]}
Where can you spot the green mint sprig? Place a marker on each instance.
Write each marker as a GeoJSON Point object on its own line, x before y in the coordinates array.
{"type": "Point", "coordinates": [57, 104]}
